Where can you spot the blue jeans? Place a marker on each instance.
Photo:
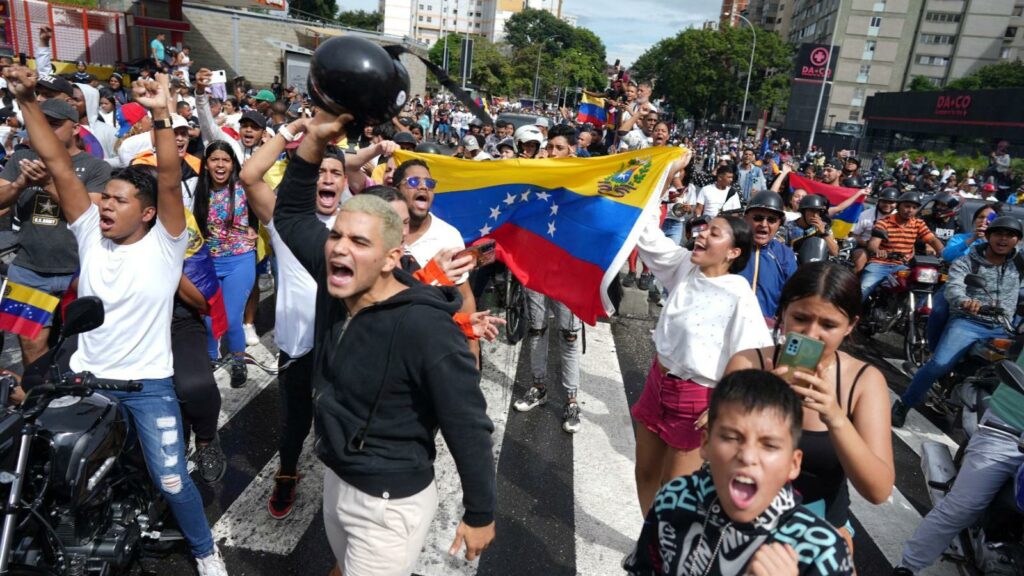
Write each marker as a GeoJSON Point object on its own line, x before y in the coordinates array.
{"type": "Point", "coordinates": [237, 275]}
{"type": "Point", "coordinates": [938, 318]}
{"type": "Point", "coordinates": [673, 229]}
{"type": "Point", "coordinates": [959, 336]}
{"type": "Point", "coordinates": [873, 275]}
{"type": "Point", "coordinates": [156, 420]}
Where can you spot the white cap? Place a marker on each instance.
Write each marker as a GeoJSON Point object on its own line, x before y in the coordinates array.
{"type": "Point", "coordinates": [542, 121]}
{"type": "Point", "coordinates": [178, 121]}
{"type": "Point", "coordinates": [935, 173]}
{"type": "Point", "coordinates": [482, 156]}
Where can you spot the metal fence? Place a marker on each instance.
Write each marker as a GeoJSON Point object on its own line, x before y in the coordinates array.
{"type": "Point", "coordinates": [95, 36]}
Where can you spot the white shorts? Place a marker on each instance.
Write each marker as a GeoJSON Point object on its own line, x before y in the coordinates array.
{"type": "Point", "coordinates": [374, 536]}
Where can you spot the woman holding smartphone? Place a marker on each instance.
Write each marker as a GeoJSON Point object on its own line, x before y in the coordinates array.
{"type": "Point", "coordinates": [847, 432]}
{"type": "Point", "coordinates": [709, 315]}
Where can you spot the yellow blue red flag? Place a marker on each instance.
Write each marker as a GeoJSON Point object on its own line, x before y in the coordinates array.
{"type": "Point", "coordinates": [564, 227]}
{"type": "Point", "coordinates": [25, 311]}
{"type": "Point", "coordinates": [843, 222]}
{"type": "Point", "coordinates": [592, 111]}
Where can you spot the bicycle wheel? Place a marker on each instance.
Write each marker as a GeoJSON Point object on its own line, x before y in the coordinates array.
{"type": "Point", "coordinates": [515, 312]}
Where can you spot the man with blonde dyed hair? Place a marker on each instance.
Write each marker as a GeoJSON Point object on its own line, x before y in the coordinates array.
{"type": "Point", "coordinates": [389, 343]}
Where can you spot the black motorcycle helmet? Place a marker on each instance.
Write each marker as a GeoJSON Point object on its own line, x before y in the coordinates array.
{"type": "Point", "coordinates": [951, 202]}
{"type": "Point", "coordinates": [910, 198]}
{"type": "Point", "coordinates": [1009, 223]}
{"type": "Point", "coordinates": [767, 200]}
{"type": "Point", "coordinates": [813, 249]}
{"type": "Point", "coordinates": [889, 195]}
{"type": "Point", "coordinates": [428, 148]}
{"type": "Point", "coordinates": [353, 75]}
{"type": "Point", "coordinates": [813, 202]}
{"type": "Point", "coordinates": [854, 182]}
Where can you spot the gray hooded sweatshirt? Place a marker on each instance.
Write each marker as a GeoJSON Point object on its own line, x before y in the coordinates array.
{"type": "Point", "coordinates": [103, 132]}
{"type": "Point", "coordinates": [1003, 282]}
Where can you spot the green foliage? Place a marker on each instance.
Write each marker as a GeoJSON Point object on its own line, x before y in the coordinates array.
{"type": "Point", "coordinates": [922, 84]}
{"type": "Point", "coordinates": [978, 162]}
{"type": "Point", "coordinates": [1001, 75]}
{"type": "Point", "coordinates": [701, 72]}
{"type": "Point", "coordinates": [361, 19]}
{"type": "Point", "coordinates": [322, 9]}
{"type": "Point", "coordinates": [531, 27]}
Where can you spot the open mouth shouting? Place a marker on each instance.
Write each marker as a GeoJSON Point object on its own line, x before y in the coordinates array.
{"type": "Point", "coordinates": [106, 223]}
{"type": "Point", "coordinates": [340, 274]}
{"type": "Point", "coordinates": [421, 201]}
{"type": "Point", "coordinates": [326, 198]}
{"type": "Point", "coordinates": [742, 491]}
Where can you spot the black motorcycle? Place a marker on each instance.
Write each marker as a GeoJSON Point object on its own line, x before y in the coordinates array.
{"type": "Point", "coordinates": [79, 498]}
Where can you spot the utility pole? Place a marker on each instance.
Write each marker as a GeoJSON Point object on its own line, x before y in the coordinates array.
{"type": "Point", "coordinates": [536, 75]}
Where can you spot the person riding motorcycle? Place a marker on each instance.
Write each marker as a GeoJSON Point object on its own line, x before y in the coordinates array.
{"type": "Point", "coordinates": [892, 242]}
{"type": "Point", "coordinates": [772, 262]}
{"type": "Point", "coordinates": [529, 140]}
{"type": "Point", "coordinates": [813, 221]}
{"type": "Point", "coordinates": [942, 220]}
{"type": "Point", "coordinates": [992, 260]}
{"type": "Point", "coordinates": [886, 205]}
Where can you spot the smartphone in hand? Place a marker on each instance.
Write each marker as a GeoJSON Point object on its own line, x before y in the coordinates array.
{"type": "Point", "coordinates": [483, 252]}
{"type": "Point", "coordinates": [800, 353]}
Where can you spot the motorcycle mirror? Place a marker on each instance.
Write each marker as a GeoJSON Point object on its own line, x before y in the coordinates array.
{"type": "Point", "coordinates": [82, 315]}
{"type": "Point", "coordinates": [976, 281]}
{"type": "Point", "coordinates": [1011, 375]}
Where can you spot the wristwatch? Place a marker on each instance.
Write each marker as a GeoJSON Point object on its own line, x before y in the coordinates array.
{"type": "Point", "coordinates": [162, 123]}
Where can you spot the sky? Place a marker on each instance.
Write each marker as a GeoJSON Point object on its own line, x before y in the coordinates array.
{"type": "Point", "coordinates": [627, 27]}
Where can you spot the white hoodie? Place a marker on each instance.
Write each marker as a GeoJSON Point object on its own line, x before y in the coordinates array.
{"type": "Point", "coordinates": [105, 133]}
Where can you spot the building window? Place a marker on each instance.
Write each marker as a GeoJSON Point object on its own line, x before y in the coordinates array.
{"type": "Point", "coordinates": [854, 116]}
{"type": "Point", "coordinates": [477, 24]}
{"type": "Point", "coordinates": [943, 17]}
{"type": "Point", "coordinates": [1011, 32]}
{"type": "Point", "coordinates": [421, 6]}
{"type": "Point", "coordinates": [936, 39]}
{"type": "Point", "coordinates": [932, 60]}
{"type": "Point", "coordinates": [875, 25]}
{"type": "Point", "coordinates": [421, 18]}
{"type": "Point", "coordinates": [858, 98]}
{"type": "Point", "coordinates": [429, 19]}
{"type": "Point", "coordinates": [1006, 53]}
{"type": "Point", "coordinates": [869, 50]}
{"type": "Point", "coordinates": [430, 8]}
{"type": "Point", "coordinates": [880, 6]}
{"type": "Point", "coordinates": [865, 71]}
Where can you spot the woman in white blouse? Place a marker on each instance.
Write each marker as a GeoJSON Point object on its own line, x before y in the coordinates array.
{"type": "Point", "coordinates": [710, 314]}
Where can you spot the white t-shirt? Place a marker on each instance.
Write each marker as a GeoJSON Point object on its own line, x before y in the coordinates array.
{"type": "Point", "coordinates": [714, 200]}
{"type": "Point", "coordinates": [136, 283]}
{"type": "Point", "coordinates": [705, 321]}
{"type": "Point", "coordinates": [296, 293]}
{"type": "Point", "coordinates": [865, 224]}
{"type": "Point", "coordinates": [439, 236]}
{"type": "Point", "coordinates": [689, 196]}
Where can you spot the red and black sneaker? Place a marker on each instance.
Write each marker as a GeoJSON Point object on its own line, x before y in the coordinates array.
{"type": "Point", "coordinates": [282, 499]}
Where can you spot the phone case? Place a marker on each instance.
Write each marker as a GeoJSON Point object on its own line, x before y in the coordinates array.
{"type": "Point", "coordinates": [801, 353]}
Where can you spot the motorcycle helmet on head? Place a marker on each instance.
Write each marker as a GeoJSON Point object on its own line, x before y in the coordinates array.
{"type": "Point", "coordinates": [428, 148]}
{"type": "Point", "coordinates": [813, 202]}
{"type": "Point", "coordinates": [1008, 223]}
{"type": "Point", "coordinates": [528, 133]}
{"type": "Point", "coordinates": [854, 182]}
{"type": "Point", "coordinates": [952, 205]}
{"type": "Point", "coordinates": [889, 195]}
{"type": "Point", "coordinates": [910, 198]}
{"type": "Point", "coordinates": [767, 200]}
{"type": "Point", "coordinates": [353, 75]}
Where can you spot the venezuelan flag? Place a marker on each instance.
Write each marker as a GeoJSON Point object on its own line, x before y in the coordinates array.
{"type": "Point", "coordinates": [25, 311]}
{"type": "Point", "coordinates": [199, 270]}
{"type": "Point", "coordinates": [90, 143]}
{"type": "Point", "coordinates": [564, 227]}
{"type": "Point", "coordinates": [482, 102]}
{"type": "Point", "coordinates": [843, 222]}
{"type": "Point", "coordinates": [592, 111]}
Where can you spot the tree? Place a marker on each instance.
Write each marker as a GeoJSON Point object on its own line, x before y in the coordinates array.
{"type": "Point", "coordinates": [569, 56]}
{"type": "Point", "coordinates": [1001, 75]}
{"type": "Point", "coordinates": [361, 19]}
{"type": "Point", "coordinates": [531, 26]}
{"type": "Point", "coordinates": [921, 84]}
{"type": "Point", "coordinates": [321, 9]}
{"type": "Point", "coordinates": [490, 68]}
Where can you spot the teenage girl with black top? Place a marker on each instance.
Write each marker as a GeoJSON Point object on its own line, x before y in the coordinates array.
{"type": "Point", "coordinates": [847, 431]}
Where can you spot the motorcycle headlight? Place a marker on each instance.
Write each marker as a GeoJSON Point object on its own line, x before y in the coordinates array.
{"type": "Point", "coordinates": [926, 275]}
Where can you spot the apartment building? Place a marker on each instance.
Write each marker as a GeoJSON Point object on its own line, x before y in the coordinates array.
{"type": "Point", "coordinates": [429, 20]}
{"type": "Point", "coordinates": [731, 9]}
{"type": "Point", "coordinates": [884, 44]}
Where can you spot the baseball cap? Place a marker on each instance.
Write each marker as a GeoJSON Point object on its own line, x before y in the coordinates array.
{"type": "Point", "coordinates": [835, 163]}
{"type": "Point", "coordinates": [59, 110]}
{"type": "Point", "coordinates": [482, 156]}
{"type": "Point", "coordinates": [470, 143]}
{"type": "Point", "coordinates": [404, 138]}
{"type": "Point", "coordinates": [133, 112]}
{"type": "Point", "coordinates": [542, 122]}
{"type": "Point", "coordinates": [935, 173]}
{"type": "Point", "coordinates": [178, 121]}
{"type": "Point", "coordinates": [56, 83]}
{"type": "Point", "coordinates": [989, 187]}
{"type": "Point", "coordinates": [254, 117]}
{"type": "Point", "coordinates": [266, 96]}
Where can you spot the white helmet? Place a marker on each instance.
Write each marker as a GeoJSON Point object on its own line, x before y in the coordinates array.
{"type": "Point", "coordinates": [528, 133]}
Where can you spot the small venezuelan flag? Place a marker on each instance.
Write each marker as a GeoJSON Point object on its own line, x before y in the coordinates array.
{"type": "Point", "coordinates": [592, 111]}
{"type": "Point", "coordinates": [843, 222]}
{"type": "Point", "coordinates": [25, 311]}
{"type": "Point", "coordinates": [563, 226]}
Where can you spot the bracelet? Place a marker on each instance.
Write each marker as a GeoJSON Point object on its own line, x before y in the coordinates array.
{"type": "Point", "coordinates": [286, 133]}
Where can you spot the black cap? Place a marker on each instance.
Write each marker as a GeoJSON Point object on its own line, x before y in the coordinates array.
{"type": "Point", "coordinates": [405, 138]}
{"type": "Point", "coordinates": [59, 110]}
{"type": "Point", "coordinates": [57, 84]}
{"type": "Point", "coordinates": [254, 117]}
{"type": "Point", "coordinates": [834, 163]}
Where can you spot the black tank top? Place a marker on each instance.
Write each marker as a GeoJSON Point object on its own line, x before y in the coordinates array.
{"type": "Point", "coordinates": [821, 474]}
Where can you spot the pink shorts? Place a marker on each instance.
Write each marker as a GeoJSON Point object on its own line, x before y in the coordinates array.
{"type": "Point", "coordinates": [670, 407]}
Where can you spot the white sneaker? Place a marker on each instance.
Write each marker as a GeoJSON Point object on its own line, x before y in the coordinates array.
{"type": "Point", "coordinates": [212, 565]}
{"type": "Point", "coordinates": [251, 338]}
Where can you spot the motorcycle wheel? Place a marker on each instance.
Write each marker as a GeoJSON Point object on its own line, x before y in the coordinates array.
{"type": "Point", "coordinates": [917, 353]}
{"type": "Point", "coordinates": [515, 313]}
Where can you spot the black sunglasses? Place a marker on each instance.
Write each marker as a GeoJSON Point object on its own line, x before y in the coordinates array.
{"type": "Point", "coordinates": [772, 219]}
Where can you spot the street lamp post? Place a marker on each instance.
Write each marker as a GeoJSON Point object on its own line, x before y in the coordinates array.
{"type": "Point", "coordinates": [750, 66]}
{"type": "Point", "coordinates": [824, 79]}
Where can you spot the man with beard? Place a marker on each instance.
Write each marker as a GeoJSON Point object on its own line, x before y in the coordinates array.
{"type": "Point", "coordinates": [429, 234]}
{"type": "Point", "coordinates": [772, 262]}
{"type": "Point", "coordinates": [831, 172]}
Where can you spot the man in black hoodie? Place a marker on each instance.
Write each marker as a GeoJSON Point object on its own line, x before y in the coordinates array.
{"type": "Point", "coordinates": [390, 368]}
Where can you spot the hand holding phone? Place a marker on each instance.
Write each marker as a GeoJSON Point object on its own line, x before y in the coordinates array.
{"type": "Point", "coordinates": [483, 252]}
{"type": "Point", "coordinates": [800, 353]}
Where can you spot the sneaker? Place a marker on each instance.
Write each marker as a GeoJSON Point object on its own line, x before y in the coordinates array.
{"type": "Point", "coordinates": [645, 281]}
{"type": "Point", "coordinates": [536, 396]}
{"type": "Point", "coordinates": [571, 418]}
{"type": "Point", "coordinates": [212, 565]}
{"type": "Point", "coordinates": [239, 373]}
{"type": "Point", "coordinates": [251, 337]}
{"type": "Point", "coordinates": [210, 461]}
{"type": "Point", "coordinates": [629, 281]}
{"type": "Point", "coordinates": [282, 499]}
{"type": "Point", "coordinates": [899, 414]}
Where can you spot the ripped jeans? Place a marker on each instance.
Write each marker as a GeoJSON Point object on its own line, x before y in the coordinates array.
{"type": "Point", "coordinates": [156, 419]}
{"type": "Point", "coordinates": [538, 306]}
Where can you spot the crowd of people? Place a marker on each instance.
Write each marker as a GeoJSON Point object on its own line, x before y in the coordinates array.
{"type": "Point", "coordinates": [114, 187]}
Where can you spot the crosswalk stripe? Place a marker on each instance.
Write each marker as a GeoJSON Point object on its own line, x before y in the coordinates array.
{"type": "Point", "coordinates": [890, 525]}
{"type": "Point", "coordinates": [918, 430]}
{"type": "Point", "coordinates": [608, 517]}
{"type": "Point", "coordinates": [499, 371]}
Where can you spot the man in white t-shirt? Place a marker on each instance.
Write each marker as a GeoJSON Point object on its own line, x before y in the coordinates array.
{"type": "Point", "coordinates": [719, 195]}
{"type": "Point", "coordinates": [428, 234]}
{"type": "Point", "coordinates": [131, 248]}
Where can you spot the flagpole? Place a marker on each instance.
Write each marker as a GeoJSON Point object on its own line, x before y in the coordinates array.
{"type": "Point", "coordinates": [3, 290]}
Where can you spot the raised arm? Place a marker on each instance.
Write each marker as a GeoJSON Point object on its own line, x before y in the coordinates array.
{"type": "Point", "coordinates": [208, 128]}
{"type": "Point", "coordinates": [354, 163]}
{"type": "Point", "coordinates": [74, 199]}
{"type": "Point", "coordinates": [848, 202]}
{"type": "Point", "coordinates": [170, 207]}
{"type": "Point", "coordinates": [258, 193]}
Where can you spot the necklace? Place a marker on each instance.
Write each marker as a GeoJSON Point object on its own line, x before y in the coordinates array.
{"type": "Point", "coordinates": [700, 543]}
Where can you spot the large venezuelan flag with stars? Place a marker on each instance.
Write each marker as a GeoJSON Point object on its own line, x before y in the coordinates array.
{"type": "Point", "coordinates": [25, 311]}
{"type": "Point", "coordinates": [843, 222]}
{"type": "Point", "coordinates": [564, 227]}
